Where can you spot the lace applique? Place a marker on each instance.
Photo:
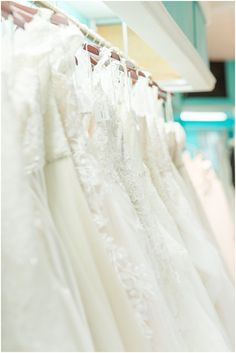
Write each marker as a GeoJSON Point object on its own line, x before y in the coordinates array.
{"type": "Point", "coordinates": [33, 133]}
{"type": "Point", "coordinates": [135, 281]}
{"type": "Point", "coordinates": [134, 177]}
{"type": "Point", "coordinates": [163, 250]}
{"type": "Point", "coordinates": [134, 278]}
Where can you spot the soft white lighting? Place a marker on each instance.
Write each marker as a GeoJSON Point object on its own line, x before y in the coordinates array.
{"type": "Point", "coordinates": [203, 116]}
{"type": "Point", "coordinates": [177, 82]}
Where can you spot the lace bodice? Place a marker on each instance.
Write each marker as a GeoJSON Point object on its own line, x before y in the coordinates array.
{"type": "Point", "coordinates": [44, 138]}
{"type": "Point", "coordinates": [99, 181]}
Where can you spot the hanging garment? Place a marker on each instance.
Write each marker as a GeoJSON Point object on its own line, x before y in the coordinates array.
{"type": "Point", "coordinates": [42, 309]}
{"type": "Point", "coordinates": [161, 248]}
{"type": "Point", "coordinates": [220, 229]}
{"type": "Point", "coordinates": [118, 226]}
{"type": "Point", "coordinates": [203, 252]}
{"type": "Point", "coordinates": [73, 219]}
{"type": "Point", "coordinates": [215, 204]}
{"type": "Point", "coordinates": [104, 130]}
{"type": "Point", "coordinates": [176, 140]}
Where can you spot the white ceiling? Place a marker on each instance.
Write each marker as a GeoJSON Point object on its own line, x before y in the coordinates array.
{"type": "Point", "coordinates": [92, 9]}
{"type": "Point", "coordinates": [220, 29]}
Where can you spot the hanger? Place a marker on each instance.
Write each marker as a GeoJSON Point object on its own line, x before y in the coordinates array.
{"type": "Point", "coordinates": [23, 14]}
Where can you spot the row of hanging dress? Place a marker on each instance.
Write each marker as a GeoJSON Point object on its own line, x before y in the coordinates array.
{"type": "Point", "coordinates": [103, 249]}
{"type": "Point", "coordinates": [213, 200]}
{"type": "Point", "coordinates": [206, 191]}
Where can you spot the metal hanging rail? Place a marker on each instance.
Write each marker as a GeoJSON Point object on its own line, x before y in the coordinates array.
{"type": "Point", "coordinates": [89, 33]}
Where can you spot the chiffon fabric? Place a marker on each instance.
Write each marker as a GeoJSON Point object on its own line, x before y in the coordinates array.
{"type": "Point", "coordinates": [106, 257]}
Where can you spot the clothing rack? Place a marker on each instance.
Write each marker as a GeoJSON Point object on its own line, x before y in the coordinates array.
{"type": "Point", "coordinates": [23, 14]}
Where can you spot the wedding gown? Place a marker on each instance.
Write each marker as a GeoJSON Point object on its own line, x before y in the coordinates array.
{"type": "Point", "coordinates": [180, 282]}
{"type": "Point", "coordinates": [42, 310]}
{"type": "Point", "coordinates": [175, 138]}
{"type": "Point", "coordinates": [196, 337]}
{"type": "Point", "coordinates": [202, 251]}
{"type": "Point", "coordinates": [215, 204]}
{"type": "Point", "coordinates": [65, 199]}
{"type": "Point", "coordinates": [117, 222]}
{"type": "Point", "coordinates": [72, 216]}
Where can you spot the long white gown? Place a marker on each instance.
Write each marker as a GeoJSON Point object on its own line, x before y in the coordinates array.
{"type": "Point", "coordinates": [183, 289]}
{"type": "Point", "coordinates": [175, 138]}
{"type": "Point", "coordinates": [215, 203]}
{"type": "Point", "coordinates": [119, 227]}
{"type": "Point", "coordinates": [171, 265]}
{"type": "Point", "coordinates": [73, 219]}
{"type": "Point", "coordinates": [203, 253]}
{"type": "Point", "coordinates": [65, 198]}
{"type": "Point", "coordinates": [42, 309]}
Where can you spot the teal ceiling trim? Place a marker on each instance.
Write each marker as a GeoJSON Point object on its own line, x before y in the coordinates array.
{"type": "Point", "coordinates": [108, 21]}
{"type": "Point", "coordinates": [189, 17]}
{"type": "Point", "coordinates": [200, 40]}
{"type": "Point", "coordinates": [208, 101]}
{"type": "Point", "coordinates": [182, 13]}
{"type": "Point", "coordinates": [230, 79]}
{"type": "Point", "coordinates": [72, 11]}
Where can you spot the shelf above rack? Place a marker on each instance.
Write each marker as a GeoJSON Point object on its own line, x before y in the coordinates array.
{"type": "Point", "coordinates": [151, 21]}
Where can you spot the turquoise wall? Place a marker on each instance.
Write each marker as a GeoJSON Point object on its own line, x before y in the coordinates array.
{"type": "Point", "coordinates": [190, 18]}
{"type": "Point", "coordinates": [225, 104]}
{"type": "Point", "coordinates": [183, 14]}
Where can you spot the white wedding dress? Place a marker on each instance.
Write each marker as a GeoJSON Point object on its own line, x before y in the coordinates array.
{"type": "Point", "coordinates": [175, 138]}
{"type": "Point", "coordinates": [171, 264]}
{"type": "Point", "coordinates": [182, 286]}
{"type": "Point", "coordinates": [116, 220]}
{"type": "Point", "coordinates": [101, 322]}
{"type": "Point", "coordinates": [203, 253]}
{"type": "Point", "coordinates": [42, 309]}
{"type": "Point", "coordinates": [216, 205]}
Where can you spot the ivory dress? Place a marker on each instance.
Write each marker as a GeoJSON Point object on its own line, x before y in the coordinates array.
{"type": "Point", "coordinates": [181, 284]}
{"type": "Point", "coordinates": [112, 323]}
{"type": "Point", "coordinates": [175, 138]}
{"type": "Point", "coordinates": [117, 222]}
{"type": "Point", "coordinates": [170, 270]}
{"type": "Point", "coordinates": [202, 251]}
{"type": "Point", "coordinates": [42, 309]}
{"type": "Point", "coordinates": [215, 204]}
